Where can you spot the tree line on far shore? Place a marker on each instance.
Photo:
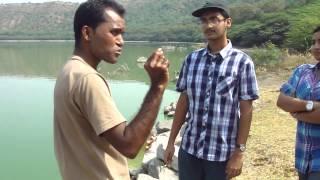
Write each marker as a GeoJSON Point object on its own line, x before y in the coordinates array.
{"type": "Point", "coordinates": [284, 23]}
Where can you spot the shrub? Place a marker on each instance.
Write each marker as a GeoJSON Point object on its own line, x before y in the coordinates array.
{"type": "Point", "coordinates": [267, 55]}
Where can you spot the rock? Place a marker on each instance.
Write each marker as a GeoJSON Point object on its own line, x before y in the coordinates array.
{"type": "Point", "coordinates": [152, 152]}
{"type": "Point", "coordinates": [168, 174]}
{"type": "Point", "coordinates": [170, 109]}
{"type": "Point", "coordinates": [145, 177]}
{"type": "Point", "coordinates": [154, 167]}
{"type": "Point", "coordinates": [171, 113]}
{"type": "Point", "coordinates": [135, 172]}
{"type": "Point", "coordinates": [163, 126]}
{"type": "Point", "coordinates": [166, 109]}
{"type": "Point", "coordinates": [174, 163]}
{"type": "Point", "coordinates": [142, 59]}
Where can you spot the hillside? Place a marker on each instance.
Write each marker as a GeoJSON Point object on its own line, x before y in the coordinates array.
{"type": "Point", "coordinates": [254, 21]}
{"type": "Point", "coordinates": [37, 20]}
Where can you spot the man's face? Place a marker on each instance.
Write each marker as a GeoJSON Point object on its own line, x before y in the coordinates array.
{"type": "Point", "coordinates": [214, 25]}
{"type": "Point", "coordinates": [106, 41]}
{"type": "Point", "coordinates": [315, 48]}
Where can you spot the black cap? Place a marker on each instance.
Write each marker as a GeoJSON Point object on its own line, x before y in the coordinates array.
{"type": "Point", "coordinates": [211, 5]}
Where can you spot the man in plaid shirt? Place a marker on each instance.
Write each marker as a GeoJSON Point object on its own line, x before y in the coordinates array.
{"type": "Point", "coordinates": [217, 85]}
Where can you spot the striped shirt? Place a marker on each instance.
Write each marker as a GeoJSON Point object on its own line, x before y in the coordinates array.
{"type": "Point", "coordinates": [304, 84]}
{"type": "Point", "coordinates": [215, 84]}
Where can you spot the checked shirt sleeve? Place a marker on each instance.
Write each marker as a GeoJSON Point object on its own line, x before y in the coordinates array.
{"type": "Point", "coordinates": [248, 82]}
{"type": "Point", "coordinates": [182, 80]}
{"type": "Point", "coordinates": [289, 88]}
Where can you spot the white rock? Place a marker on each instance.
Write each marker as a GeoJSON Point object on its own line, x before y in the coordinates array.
{"type": "Point", "coordinates": [152, 151]}
{"type": "Point", "coordinates": [163, 126]}
{"type": "Point", "coordinates": [168, 174]}
{"type": "Point", "coordinates": [174, 163]}
{"type": "Point", "coordinates": [142, 59]}
{"type": "Point", "coordinates": [145, 177]}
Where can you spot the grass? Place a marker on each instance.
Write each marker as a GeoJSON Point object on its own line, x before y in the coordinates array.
{"type": "Point", "coordinates": [270, 146]}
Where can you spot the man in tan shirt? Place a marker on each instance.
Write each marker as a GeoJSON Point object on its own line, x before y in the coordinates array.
{"type": "Point", "coordinates": [91, 137]}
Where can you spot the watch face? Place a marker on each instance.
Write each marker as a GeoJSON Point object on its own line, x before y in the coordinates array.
{"type": "Point", "coordinates": [309, 106]}
{"type": "Point", "coordinates": [242, 148]}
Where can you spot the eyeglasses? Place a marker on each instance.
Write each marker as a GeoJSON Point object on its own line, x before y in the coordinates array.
{"type": "Point", "coordinates": [213, 20]}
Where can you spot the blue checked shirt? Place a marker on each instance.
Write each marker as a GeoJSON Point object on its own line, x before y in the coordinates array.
{"type": "Point", "coordinates": [214, 85]}
{"type": "Point", "coordinates": [303, 84]}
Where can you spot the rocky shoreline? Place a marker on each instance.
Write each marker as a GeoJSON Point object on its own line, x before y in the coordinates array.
{"type": "Point", "coordinates": [153, 166]}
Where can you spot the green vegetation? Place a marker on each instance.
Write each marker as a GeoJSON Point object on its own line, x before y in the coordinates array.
{"type": "Point", "coordinates": [268, 55]}
{"type": "Point", "coordinates": [287, 29]}
{"type": "Point", "coordinates": [285, 23]}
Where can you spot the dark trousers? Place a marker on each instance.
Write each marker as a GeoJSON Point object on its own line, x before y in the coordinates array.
{"type": "Point", "coordinates": [193, 168]}
{"type": "Point", "coordinates": [310, 176]}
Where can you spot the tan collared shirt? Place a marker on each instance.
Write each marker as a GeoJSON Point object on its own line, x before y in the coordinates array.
{"type": "Point", "coordinates": [84, 109]}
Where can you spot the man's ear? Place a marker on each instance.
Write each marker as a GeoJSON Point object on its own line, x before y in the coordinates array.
{"type": "Point", "coordinates": [86, 33]}
{"type": "Point", "coordinates": [229, 23]}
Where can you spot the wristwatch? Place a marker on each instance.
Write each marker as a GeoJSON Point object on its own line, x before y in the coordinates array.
{"type": "Point", "coordinates": [309, 106]}
{"type": "Point", "coordinates": [242, 147]}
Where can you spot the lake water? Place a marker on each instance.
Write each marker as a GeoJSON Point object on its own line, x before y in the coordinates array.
{"type": "Point", "coordinates": [27, 77]}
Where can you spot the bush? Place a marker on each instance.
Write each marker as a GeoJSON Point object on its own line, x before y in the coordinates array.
{"type": "Point", "coordinates": [267, 55]}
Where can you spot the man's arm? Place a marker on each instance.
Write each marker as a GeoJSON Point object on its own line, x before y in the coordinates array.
{"type": "Point", "coordinates": [312, 117]}
{"type": "Point", "coordinates": [179, 119]}
{"type": "Point", "coordinates": [291, 104]}
{"type": "Point", "coordinates": [297, 108]}
{"type": "Point", "coordinates": [128, 139]}
{"type": "Point", "coordinates": [235, 162]}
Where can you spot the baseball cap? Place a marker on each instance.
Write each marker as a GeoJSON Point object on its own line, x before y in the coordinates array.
{"type": "Point", "coordinates": [211, 5]}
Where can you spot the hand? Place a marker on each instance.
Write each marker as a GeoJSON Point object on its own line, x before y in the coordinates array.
{"type": "Point", "coordinates": [294, 115]}
{"type": "Point", "coordinates": [316, 105]}
{"type": "Point", "coordinates": [234, 165]}
{"type": "Point", "coordinates": [157, 67]}
{"type": "Point", "coordinates": [168, 154]}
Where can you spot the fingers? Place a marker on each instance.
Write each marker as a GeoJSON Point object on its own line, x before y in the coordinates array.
{"type": "Point", "coordinates": [233, 172]}
{"type": "Point", "coordinates": [157, 59]}
{"type": "Point", "coordinates": [168, 154]}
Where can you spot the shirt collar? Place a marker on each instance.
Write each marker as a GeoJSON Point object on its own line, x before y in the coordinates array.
{"type": "Point", "coordinates": [224, 52]}
{"type": "Point", "coordinates": [78, 58]}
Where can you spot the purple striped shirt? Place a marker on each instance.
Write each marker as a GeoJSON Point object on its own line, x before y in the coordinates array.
{"type": "Point", "coordinates": [215, 84]}
{"type": "Point", "coordinates": [304, 84]}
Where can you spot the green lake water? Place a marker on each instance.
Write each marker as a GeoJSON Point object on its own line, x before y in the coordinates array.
{"type": "Point", "coordinates": [27, 77]}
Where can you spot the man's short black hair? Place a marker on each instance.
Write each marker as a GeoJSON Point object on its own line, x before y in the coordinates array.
{"type": "Point", "coordinates": [91, 13]}
{"type": "Point", "coordinates": [317, 29]}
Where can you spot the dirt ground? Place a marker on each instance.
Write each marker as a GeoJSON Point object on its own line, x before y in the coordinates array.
{"type": "Point", "coordinates": [270, 147]}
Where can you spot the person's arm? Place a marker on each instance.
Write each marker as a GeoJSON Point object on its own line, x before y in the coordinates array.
{"type": "Point", "coordinates": [297, 108]}
{"type": "Point", "coordinates": [312, 117]}
{"type": "Point", "coordinates": [235, 162]}
{"type": "Point", "coordinates": [291, 104]}
{"type": "Point", "coordinates": [128, 139]}
{"type": "Point", "coordinates": [179, 119]}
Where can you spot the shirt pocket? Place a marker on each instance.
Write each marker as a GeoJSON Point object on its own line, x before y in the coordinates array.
{"type": "Point", "coordinates": [226, 84]}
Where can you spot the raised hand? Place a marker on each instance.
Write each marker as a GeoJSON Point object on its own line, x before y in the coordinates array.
{"type": "Point", "coordinates": [157, 67]}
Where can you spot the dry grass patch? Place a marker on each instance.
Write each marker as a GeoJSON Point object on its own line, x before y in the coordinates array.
{"type": "Point", "coordinates": [270, 154]}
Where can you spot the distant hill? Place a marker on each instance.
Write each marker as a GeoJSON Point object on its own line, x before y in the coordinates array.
{"type": "Point", "coordinates": [165, 20]}
{"type": "Point", "coordinates": [37, 20]}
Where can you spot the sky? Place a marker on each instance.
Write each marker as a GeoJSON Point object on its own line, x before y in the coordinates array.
{"type": "Point", "coordinates": [35, 1]}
